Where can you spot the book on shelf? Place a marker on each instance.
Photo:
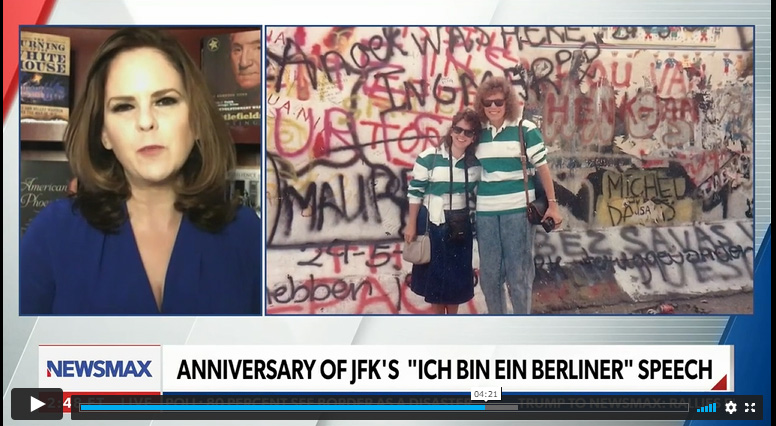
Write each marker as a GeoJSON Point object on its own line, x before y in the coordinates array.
{"type": "Point", "coordinates": [245, 184]}
{"type": "Point", "coordinates": [41, 183]}
{"type": "Point", "coordinates": [231, 64]}
{"type": "Point", "coordinates": [44, 77]}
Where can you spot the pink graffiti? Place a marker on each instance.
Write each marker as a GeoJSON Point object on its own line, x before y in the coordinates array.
{"type": "Point", "coordinates": [618, 75]}
{"type": "Point", "coordinates": [276, 134]}
{"type": "Point", "coordinates": [645, 113]}
{"type": "Point", "coordinates": [673, 82]}
{"type": "Point", "coordinates": [699, 166]}
{"type": "Point", "coordinates": [402, 143]}
{"type": "Point", "coordinates": [369, 295]}
{"type": "Point", "coordinates": [375, 88]}
{"type": "Point", "coordinates": [571, 112]}
{"type": "Point", "coordinates": [336, 134]}
{"type": "Point", "coordinates": [598, 72]}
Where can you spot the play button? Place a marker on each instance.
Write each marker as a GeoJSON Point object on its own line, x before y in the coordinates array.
{"type": "Point", "coordinates": [36, 404]}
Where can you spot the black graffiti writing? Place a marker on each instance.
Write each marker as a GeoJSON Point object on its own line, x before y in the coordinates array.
{"type": "Point", "coordinates": [719, 263]}
{"type": "Point", "coordinates": [638, 240]}
{"type": "Point", "coordinates": [344, 253]}
{"type": "Point", "coordinates": [427, 41]}
{"type": "Point", "coordinates": [418, 90]}
{"type": "Point", "coordinates": [313, 290]}
{"type": "Point", "coordinates": [331, 198]}
{"type": "Point", "coordinates": [624, 33]}
{"type": "Point", "coordinates": [388, 43]}
{"type": "Point", "coordinates": [362, 292]}
{"type": "Point", "coordinates": [292, 55]}
{"type": "Point", "coordinates": [382, 254]}
{"type": "Point", "coordinates": [642, 185]}
{"type": "Point", "coordinates": [363, 58]}
{"type": "Point", "coordinates": [627, 33]}
{"type": "Point", "coordinates": [656, 210]}
{"type": "Point", "coordinates": [540, 36]}
{"type": "Point", "coordinates": [746, 42]}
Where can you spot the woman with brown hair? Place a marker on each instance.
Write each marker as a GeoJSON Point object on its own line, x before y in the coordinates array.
{"type": "Point", "coordinates": [441, 196]}
{"type": "Point", "coordinates": [150, 229]}
{"type": "Point", "coordinates": [505, 237]}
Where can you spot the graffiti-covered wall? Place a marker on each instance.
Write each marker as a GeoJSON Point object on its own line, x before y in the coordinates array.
{"type": "Point", "coordinates": [649, 132]}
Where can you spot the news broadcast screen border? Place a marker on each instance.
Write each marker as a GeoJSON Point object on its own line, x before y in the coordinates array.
{"type": "Point", "coordinates": [749, 334]}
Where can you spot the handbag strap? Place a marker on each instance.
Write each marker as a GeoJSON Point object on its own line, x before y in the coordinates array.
{"type": "Point", "coordinates": [431, 174]}
{"type": "Point", "coordinates": [465, 178]}
{"type": "Point", "coordinates": [523, 158]}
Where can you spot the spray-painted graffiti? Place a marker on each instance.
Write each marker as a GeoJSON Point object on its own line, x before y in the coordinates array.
{"type": "Point", "coordinates": [650, 261]}
{"type": "Point", "coordinates": [651, 135]}
{"type": "Point", "coordinates": [366, 295]}
{"type": "Point", "coordinates": [643, 197]}
{"type": "Point", "coordinates": [348, 277]}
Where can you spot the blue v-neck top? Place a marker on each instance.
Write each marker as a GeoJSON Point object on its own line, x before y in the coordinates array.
{"type": "Point", "coordinates": [68, 267]}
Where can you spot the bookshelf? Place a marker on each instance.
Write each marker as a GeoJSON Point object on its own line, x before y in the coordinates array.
{"type": "Point", "coordinates": [37, 137]}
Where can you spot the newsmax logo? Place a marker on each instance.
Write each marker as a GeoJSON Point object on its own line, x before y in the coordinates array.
{"type": "Point", "coordinates": [98, 368]}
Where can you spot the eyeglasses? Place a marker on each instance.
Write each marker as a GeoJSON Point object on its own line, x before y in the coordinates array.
{"type": "Point", "coordinates": [498, 102]}
{"type": "Point", "coordinates": [468, 133]}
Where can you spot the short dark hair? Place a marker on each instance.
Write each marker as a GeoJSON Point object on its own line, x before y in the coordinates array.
{"type": "Point", "coordinates": [102, 185]}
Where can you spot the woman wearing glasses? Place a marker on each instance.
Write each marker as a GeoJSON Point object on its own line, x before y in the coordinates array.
{"type": "Point", "coordinates": [504, 235]}
{"type": "Point", "coordinates": [441, 194]}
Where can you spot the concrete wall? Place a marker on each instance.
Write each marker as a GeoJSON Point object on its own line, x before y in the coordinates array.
{"type": "Point", "coordinates": [649, 131]}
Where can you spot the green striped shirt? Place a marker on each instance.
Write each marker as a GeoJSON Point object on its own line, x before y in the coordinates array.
{"type": "Point", "coordinates": [431, 178]}
{"type": "Point", "coordinates": [501, 189]}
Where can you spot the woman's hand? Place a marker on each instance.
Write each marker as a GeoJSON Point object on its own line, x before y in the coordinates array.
{"type": "Point", "coordinates": [410, 232]}
{"type": "Point", "coordinates": [553, 212]}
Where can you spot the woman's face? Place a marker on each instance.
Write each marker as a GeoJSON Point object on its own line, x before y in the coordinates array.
{"type": "Point", "coordinates": [493, 111]}
{"type": "Point", "coordinates": [146, 117]}
{"type": "Point", "coordinates": [462, 134]}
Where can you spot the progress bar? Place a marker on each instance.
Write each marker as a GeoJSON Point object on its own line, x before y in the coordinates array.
{"type": "Point", "coordinates": [284, 407]}
{"type": "Point", "coordinates": [408, 407]}
{"type": "Point", "coordinates": [370, 407]}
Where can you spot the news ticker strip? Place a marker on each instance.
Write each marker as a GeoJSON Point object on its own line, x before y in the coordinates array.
{"type": "Point", "coordinates": [414, 407]}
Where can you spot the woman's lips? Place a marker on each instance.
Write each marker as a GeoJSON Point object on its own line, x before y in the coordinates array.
{"type": "Point", "coordinates": [150, 150]}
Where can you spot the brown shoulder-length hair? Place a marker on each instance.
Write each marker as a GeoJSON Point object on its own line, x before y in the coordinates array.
{"type": "Point", "coordinates": [494, 85]}
{"type": "Point", "coordinates": [470, 116]}
{"type": "Point", "coordinates": [102, 186]}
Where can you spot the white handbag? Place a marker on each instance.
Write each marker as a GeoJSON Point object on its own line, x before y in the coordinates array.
{"type": "Point", "coordinates": [418, 252]}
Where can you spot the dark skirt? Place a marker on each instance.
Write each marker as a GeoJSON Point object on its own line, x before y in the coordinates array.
{"type": "Point", "coordinates": [449, 278]}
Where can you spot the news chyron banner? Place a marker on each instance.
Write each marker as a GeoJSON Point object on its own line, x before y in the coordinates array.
{"type": "Point", "coordinates": [153, 370]}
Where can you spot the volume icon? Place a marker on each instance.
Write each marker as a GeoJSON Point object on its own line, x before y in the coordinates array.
{"type": "Point", "coordinates": [711, 408]}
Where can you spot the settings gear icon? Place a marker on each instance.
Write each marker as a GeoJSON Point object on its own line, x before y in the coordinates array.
{"type": "Point", "coordinates": [730, 407]}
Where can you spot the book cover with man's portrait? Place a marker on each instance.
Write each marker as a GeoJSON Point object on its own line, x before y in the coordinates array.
{"type": "Point", "coordinates": [232, 66]}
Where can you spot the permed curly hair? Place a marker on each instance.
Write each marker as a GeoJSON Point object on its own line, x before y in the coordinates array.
{"type": "Point", "coordinates": [494, 85]}
{"type": "Point", "coordinates": [102, 184]}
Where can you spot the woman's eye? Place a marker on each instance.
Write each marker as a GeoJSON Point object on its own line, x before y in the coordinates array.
{"type": "Point", "coordinates": [121, 107]}
{"type": "Point", "coordinates": [167, 100]}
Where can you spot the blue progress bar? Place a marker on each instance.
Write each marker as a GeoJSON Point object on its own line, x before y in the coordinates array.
{"type": "Point", "coordinates": [256, 407]}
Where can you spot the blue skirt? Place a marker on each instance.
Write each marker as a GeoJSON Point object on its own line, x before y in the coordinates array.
{"type": "Point", "coordinates": [448, 279]}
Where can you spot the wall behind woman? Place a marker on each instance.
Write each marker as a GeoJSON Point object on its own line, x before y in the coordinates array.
{"type": "Point", "coordinates": [649, 130]}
